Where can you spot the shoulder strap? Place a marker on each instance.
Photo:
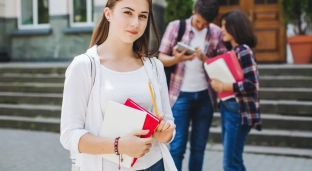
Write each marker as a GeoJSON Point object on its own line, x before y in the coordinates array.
{"type": "Point", "coordinates": [181, 30]}
{"type": "Point", "coordinates": [154, 66]}
{"type": "Point", "coordinates": [92, 63]}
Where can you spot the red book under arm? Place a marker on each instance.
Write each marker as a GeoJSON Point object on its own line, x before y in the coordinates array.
{"type": "Point", "coordinates": [151, 122]}
{"type": "Point", "coordinates": [232, 64]}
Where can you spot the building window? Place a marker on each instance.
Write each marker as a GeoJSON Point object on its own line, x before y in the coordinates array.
{"type": "Point", "coordinates": [81, 13]}
{"type": "Point", "coordinates": [34, 14]}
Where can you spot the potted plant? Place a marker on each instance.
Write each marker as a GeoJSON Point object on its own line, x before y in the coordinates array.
{"type": "Point", "coordinates": [299, 13]}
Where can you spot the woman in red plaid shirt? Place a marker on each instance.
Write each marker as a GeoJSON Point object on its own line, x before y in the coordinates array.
{"type": "Point", "coordinates": [241, 113]}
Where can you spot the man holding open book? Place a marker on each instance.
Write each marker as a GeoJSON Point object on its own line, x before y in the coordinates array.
{"type": "Point", "coordinates": [191, 95]}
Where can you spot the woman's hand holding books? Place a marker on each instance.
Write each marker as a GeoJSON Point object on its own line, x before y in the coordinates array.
{"type": "Point", "coordinates": [164, 131]}
{"type": "Point", "coordinates": [134, 146]}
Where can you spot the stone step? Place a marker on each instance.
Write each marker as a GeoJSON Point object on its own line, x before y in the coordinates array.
{"type": "Point", "coordinates": [56, 98]}
{"type": "Point", "coordinates": [265, 81]}
{"type": "Point", "coordinates": [270, 121]}
{"type": "Point", "coordinates": [285, 81]}
{"type": "Point", "coordinates": [291, 108]}
{"type": "Point", "coordinates": [60, 68]}
{"type": "Point", "coordinates": [34, 67]}
{"type": "Point", "coordinates": [38, 123]}
{"type": "Point", "coordinates": [270, 138]}
{"type": "Point", "coordinates": [287, 107]}
{"type": "Point", "coordinates": [278, 122]}
{"type": "Point", "coordinates": [304, 94]}
{"type": "Point", "coordinates": [26, 110]}
{"type": "Point", "coordinates": [35, 78]}
{"type": "Point", "coordinates": [32, 87]}
{"type": "Point", "coordinates": [30, 98]}
{"type": "Point", "coordinates": [285, 70]}
{"type": "Point", "coordinates": [279, 151]}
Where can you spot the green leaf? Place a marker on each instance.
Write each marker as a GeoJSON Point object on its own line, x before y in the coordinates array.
{"type": "Point", "coordinates": [297, 12]}
{"type": "Point", "coordinates": [178, 9]}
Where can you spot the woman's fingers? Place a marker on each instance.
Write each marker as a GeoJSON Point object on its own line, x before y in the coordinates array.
{"type": "Point", "coordinates": [166, 126]}
{"type": "Point", "coordinates": [160, 126]}
{"type": "Point", "coordinates": [161, 116]}
{"type": "Point", "coordinates": [163, 126]}
{"type": "Point", "coordinates": [171, 128]}
{"type": "Point", "coordinates": [146, 151]}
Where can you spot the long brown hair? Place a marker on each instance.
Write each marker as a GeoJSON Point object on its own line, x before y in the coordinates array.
{"type": "Point", "coordinates": [141, 45]}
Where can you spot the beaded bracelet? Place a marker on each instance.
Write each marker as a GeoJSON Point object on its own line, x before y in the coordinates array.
{"type": "Point", "coordinates": [117, 152]}
{"type": "Point", "coordinates": [116, 146]}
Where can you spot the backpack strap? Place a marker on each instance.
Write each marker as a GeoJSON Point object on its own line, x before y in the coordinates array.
{"type": "Point", "coordinates": [152, 61]}
{"type": "Point", "coordinates": [181, 30]}
{"type": "Point", "coordinates": [92, 63]}
{"type": "Point", "coordinates": [171, 69]}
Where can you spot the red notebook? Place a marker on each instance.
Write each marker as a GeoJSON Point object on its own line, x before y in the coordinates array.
{"type": "Point", "coordinates": [151, 122]}
{"type": "Point", "coordinates": [234, 67]}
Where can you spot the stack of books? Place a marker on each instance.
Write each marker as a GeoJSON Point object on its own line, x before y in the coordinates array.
{"type": "Point", "coordinates": [120, 120]}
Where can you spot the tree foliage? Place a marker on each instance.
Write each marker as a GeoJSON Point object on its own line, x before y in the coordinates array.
{"type": "Point", "coordinates": [178, 9]}
{"type": "Point", "coordinates": [299, 13]}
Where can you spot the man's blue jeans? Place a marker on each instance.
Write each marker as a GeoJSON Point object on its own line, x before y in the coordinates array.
{"type": "Point", "coordinates": [197, 108]}
{"type": "Point", "coordinates": [234, 135]}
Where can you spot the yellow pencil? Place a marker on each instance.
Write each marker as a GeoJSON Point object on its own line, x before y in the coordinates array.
{"type": "Point", "coordinates": [153, 99]}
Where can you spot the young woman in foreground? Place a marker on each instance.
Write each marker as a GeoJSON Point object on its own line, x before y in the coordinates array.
{"type": "Point", "coordinates": [119, 46]}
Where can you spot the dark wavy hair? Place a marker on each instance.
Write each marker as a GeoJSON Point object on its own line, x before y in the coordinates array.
{"type": "Point", "coordinates": [208, 9]}
{"type": "Point", "coordinates": [238, 25]}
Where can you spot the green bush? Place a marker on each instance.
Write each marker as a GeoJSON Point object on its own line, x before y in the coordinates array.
{"type": "Point", "coordinates": [298, 13]}
{"type": "Point", "coordinates": [178, 9]}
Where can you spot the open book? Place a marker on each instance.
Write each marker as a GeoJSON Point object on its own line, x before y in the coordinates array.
{"type": "Point", "coordinates": [119, 120]}
{"type": "Point", "coordinates": [227, 69]}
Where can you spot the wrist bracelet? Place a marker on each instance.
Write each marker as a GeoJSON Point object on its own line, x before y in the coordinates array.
{"type": "Point", "coordinates": [117, 152]}
{"type": "Point", "coordinates": [116, 146]}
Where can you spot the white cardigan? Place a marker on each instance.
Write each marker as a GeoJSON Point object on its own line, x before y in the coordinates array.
{"type": "Point", "coordinates": [82, 114]}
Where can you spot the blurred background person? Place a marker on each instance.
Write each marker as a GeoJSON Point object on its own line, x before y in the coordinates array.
{"type": "Point", "coordinates": [239, 114]}
{"type": "Point", "coordinates": [191, 96]}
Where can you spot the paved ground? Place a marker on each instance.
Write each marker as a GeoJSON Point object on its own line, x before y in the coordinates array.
{"type": "Point", "coordinates": [22, 150]}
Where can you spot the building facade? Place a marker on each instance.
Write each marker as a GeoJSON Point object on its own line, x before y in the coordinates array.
{"type": "Point", "coordinates": [52, 30]}
{"type": "Point", "coordinates": [58, 30]}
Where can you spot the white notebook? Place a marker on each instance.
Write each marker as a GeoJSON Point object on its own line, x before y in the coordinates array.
{"type": "Point", "coordinates": [219, 70]}
{"type": "Point", "coordinates": [120, 120]}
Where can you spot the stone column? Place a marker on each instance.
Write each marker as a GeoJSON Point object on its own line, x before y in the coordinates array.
{"type": "Point", "coordinates": [8, 22]}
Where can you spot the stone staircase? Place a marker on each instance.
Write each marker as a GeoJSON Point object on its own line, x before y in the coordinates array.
{"type": "Point", "coordinates": [31, 98]}
{"type": "Point", "coordinates": [31, 95]}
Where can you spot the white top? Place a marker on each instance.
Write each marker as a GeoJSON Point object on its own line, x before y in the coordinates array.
{"type": "Point", "coordinates": [81, 111]}
{"type": "Point", "coordinates": [118, 86]}
{"type": "Point", "coordinates": [194, 78]}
